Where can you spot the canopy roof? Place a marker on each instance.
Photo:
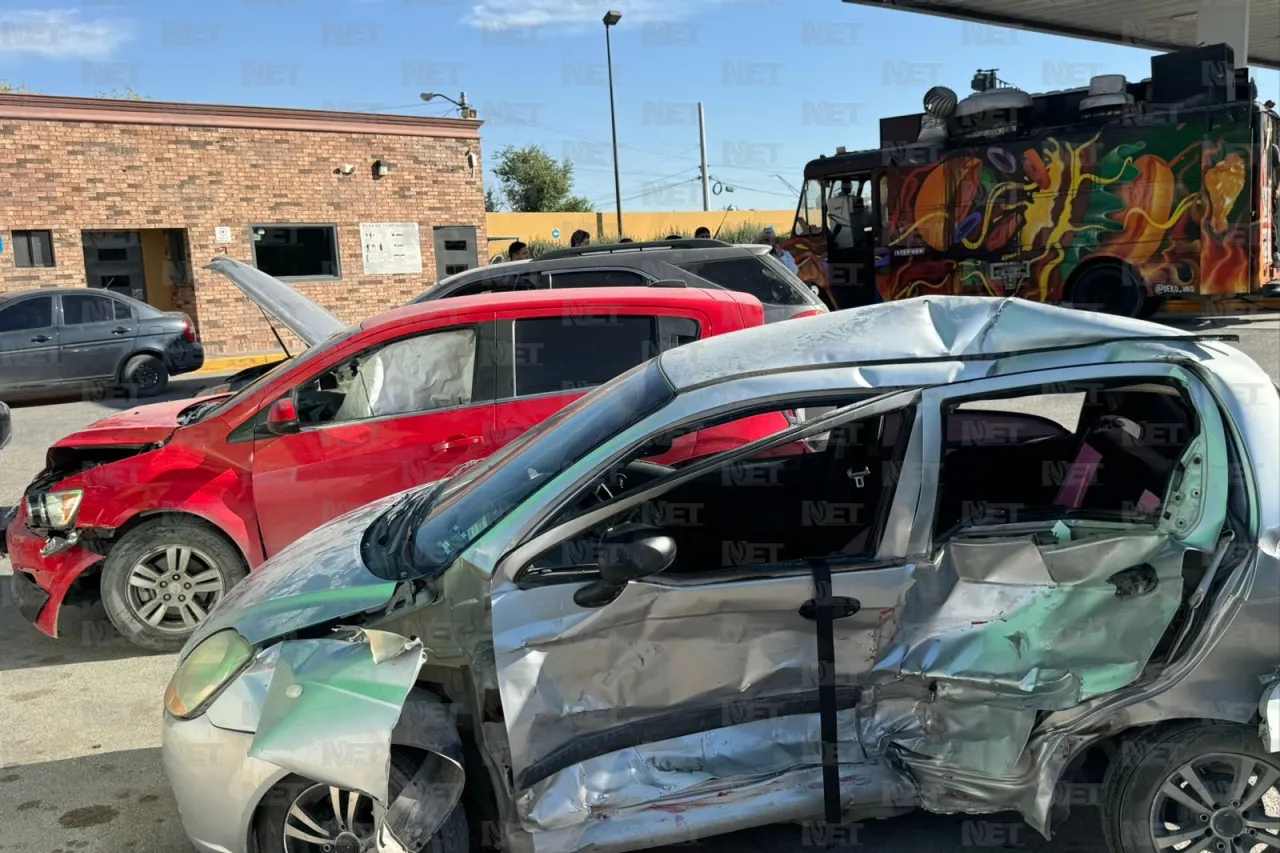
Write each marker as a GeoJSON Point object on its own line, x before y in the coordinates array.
{"type": "Point", "coordinates": [1163, 25]}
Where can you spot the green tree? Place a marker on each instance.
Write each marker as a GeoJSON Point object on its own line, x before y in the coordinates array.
{"type": "Point", "coordinates": [533, 182]}
{"type": "Point", "coordinates": [492, 202]}
{"type": "Point", "coordinates": [7, 88]}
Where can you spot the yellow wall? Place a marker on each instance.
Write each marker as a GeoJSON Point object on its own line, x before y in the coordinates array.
{"type": "Point", "coordinates": [603, 227]}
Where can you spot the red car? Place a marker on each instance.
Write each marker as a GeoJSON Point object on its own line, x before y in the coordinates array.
{"type": "Point", "coordinates": [158, 511]}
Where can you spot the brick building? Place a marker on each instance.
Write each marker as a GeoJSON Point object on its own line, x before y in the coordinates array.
{"type": "Point", "coordinates": [138, 196]}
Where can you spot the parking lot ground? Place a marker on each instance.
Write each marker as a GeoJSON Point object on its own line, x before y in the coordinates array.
{"type": "Point", "coordinates": [80, 765]}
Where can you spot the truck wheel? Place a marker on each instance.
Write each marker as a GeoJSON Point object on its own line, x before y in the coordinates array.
{"type": "Point", "coordinates": [162, 578]}
{"type": "Point", "coordinates": [1109, 289]}
{"type": "Point", "coordinates": [146, 375]}
{"type": "Point", "coordinates": [299, 816]}
{"type": "Point", "coordinates": [1204, 787]}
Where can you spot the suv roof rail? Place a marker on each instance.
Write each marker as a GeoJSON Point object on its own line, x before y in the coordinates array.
{"type": "Point", "coordinates": [611, 248]}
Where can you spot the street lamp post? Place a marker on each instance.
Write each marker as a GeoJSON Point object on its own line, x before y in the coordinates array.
{"type": "Point", "coordinates": [464, 109]}
{"type": "Point", "coordinates": [610, 18]}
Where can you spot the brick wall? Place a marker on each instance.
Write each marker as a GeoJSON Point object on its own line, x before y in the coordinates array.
{"type": "Point", "coordinates": [69, 176]}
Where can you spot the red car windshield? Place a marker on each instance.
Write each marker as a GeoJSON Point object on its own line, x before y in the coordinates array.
{"type": "Point", "coordinates": [305, 357]}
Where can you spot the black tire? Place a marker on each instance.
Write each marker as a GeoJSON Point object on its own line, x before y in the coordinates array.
{"type": "Point", "coordinates": [145, 375]}
{"type": "Point", "coordinates": [1151, 306]}
{"type": "Point", "coordinates": [1132, 791]}
{"type": "Point", "coordinates": [149, 544]}
{"type": "Point", "coordinates": [1109, 289]}
{"type": "Point", "coordinates": [268, 827]}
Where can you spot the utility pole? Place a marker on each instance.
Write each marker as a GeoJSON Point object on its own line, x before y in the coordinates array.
{"type": "Point", "coordinates": [611, 18]}
{"type": "Point", "coordinates": [702, 141]}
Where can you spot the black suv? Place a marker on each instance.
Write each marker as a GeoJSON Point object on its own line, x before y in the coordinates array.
{"type": "Point", "coordinates": [709, 264]}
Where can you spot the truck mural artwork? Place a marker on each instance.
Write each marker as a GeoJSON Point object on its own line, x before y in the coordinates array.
{"type": "Point", "coordinates": [1112, 198]}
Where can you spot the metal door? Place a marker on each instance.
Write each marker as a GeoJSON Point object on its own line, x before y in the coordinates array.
{"type": "Point", "coordinates": [113, 261]}
{"type": "Point", "coordinates": [455, 249]}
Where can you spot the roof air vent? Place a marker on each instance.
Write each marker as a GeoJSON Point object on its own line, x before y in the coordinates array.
{"type": "Point", "coordinates": [1108, 93]}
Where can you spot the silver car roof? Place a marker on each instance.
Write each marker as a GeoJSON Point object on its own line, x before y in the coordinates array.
{"type": "Point", "coordinates": [911, 330]}
{"type": "Point", "coordinates": [311, 323]}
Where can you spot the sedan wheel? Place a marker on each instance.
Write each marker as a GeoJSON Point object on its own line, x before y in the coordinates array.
{"type": "Point", "coordinates": [1217, 803]}
{"type": "Point", "coordinates": [172, 588]}
{"type": "Point", "coordinates": [1193, 788]}
{"type": "Point", "coordinates": [329, 820]}
{"type": "Point", "coordinates": [161, 579]}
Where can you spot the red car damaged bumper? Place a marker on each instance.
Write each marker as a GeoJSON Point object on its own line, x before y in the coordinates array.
{"type": "Point", "coordinates": [41, 583]}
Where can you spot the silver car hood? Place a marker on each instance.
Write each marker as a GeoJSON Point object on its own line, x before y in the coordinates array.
{"type": "Point", "coordinates": [317, 578]}
{"type": "Point", "coordinates": [311, 323]}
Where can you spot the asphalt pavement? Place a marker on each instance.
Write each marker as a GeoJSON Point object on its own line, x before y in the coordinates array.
{"type": "Point", "coordinates": [80, 765]}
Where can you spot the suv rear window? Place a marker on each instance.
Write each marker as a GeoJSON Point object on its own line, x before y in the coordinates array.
{"type": "Point", "coordinates": [751, 275]}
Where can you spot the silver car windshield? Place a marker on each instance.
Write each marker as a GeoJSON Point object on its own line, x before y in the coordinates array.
{"type": "Point", "coordinates": [422, 534]}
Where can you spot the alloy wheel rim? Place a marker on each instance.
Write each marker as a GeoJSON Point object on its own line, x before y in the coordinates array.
{"type": "Point", "coordinates": [1218, 803]}
{"type": "Point", "coordinates": [172, 588]}
{"type": "Point", "coordinates": [330, 820]}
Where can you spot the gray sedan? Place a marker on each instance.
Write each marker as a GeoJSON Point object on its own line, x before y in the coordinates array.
{"type": "Point", "coordinates": [953, 602]}
{"type": "Point", "coordinates": [52, 339]}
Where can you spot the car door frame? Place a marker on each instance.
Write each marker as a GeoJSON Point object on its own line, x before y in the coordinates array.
{"type": "Point", "coordinates": [1201, 535]}
{"type": "Point", "coordinates": [255, 426]}
{"type": "Point", "coordinates": [52, 345]}
{"type": "Point", "coordinates": [885, 571]}
{"type": "Point", "coordinates": [127, 339]}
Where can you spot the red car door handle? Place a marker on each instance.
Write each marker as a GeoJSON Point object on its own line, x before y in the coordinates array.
{"type": "Point", "coordinates": [456, 442]}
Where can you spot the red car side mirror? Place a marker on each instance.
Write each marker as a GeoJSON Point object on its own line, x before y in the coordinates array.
{"type": "Point", "coordinates": [282, 417]}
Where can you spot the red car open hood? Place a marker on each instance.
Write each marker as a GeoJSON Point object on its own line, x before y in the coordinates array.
{"type": "Point", "coordinates": [137, 426]}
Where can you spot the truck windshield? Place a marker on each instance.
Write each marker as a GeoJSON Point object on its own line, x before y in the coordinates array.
{"type": "Point", "coordinates": [425, 532]}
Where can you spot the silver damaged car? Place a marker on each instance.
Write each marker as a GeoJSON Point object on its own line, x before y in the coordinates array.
{"type": "Point", "coordinates": [1021, 549]}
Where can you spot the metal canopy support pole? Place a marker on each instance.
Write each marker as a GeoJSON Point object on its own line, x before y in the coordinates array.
{"type": "Point", "coordinates": [1219, 21]}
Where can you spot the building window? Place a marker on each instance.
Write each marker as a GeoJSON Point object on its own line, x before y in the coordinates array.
{"type": "Point", "coordinates": [296, 251]}
{"type": "Point", "coordinates": [33, 248]}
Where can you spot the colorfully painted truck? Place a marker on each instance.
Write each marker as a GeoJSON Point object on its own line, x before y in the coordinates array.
{"type": "Point", "coordinates": [1113, 197]}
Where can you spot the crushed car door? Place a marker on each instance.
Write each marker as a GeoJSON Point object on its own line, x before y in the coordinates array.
{"type": "Point", "coordinates": [1011, 617]}
{"type": "Point", "coordinates": [698, 681]}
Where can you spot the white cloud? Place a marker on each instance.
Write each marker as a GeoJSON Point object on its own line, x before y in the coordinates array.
{"type": "Point", "coordinates": [60, 34]}
{"type": "Point", "coordinates": [573, 14]}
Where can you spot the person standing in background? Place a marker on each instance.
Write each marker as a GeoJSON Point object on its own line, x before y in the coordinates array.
{"type": "Point", "coordinates": [579, 238]}
{"type": "Point", "coordinates": [518, 251]}
{"type": "Point", "coordinates": [703, 233]}
{"type": "Point", "coordinates": [770, 238]}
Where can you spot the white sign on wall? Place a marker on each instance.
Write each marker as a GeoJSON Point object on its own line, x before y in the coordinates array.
{"type": "Point", "coordinates": [391, 248]}
{"type": "Point", "coordinates": [222, 234]}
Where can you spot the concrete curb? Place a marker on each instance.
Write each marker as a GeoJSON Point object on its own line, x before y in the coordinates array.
{"type": "Point", "coordinates": [233, 363]}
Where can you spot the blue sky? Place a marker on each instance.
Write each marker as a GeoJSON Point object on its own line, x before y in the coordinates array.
{"type": "Point", "coordinates": [782, 81]}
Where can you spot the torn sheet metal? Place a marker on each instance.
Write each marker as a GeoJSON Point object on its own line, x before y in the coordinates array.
{"type": "Point", "coordinates": [570, 674]}
{"type": "Point", "coordinates": [419, 811]}
{"type": "Point", "coordinates": [332, 706]}
{"type": "Point", "coordinates": [682, 768]}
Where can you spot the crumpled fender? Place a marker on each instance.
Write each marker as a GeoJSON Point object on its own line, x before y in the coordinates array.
{"type": "Point", "coordinates": [333, 710]}
{"type": "Point", "coordinates": [419, 811]}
